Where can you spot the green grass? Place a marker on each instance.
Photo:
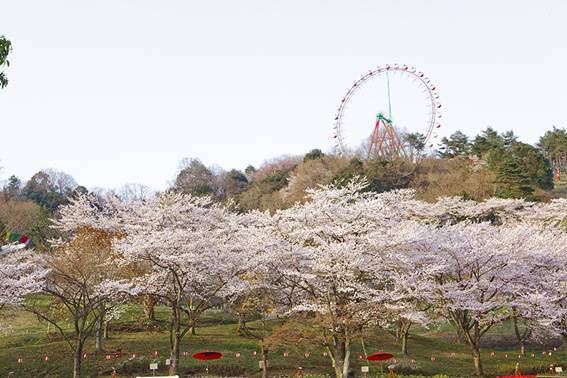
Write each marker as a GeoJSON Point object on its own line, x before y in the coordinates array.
{"type": "Point", "coordinates": [25, 337]}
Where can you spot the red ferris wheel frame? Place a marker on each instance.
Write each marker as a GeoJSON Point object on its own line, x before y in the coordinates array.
{"type": "Point", "coordinates": [430, 89]}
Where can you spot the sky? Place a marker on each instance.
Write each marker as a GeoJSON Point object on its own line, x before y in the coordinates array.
{"type": "Point", "coordinates": [120, 91]}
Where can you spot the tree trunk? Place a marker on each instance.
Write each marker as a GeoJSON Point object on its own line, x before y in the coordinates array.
{"type": "Point", "coordinates": [338, 370]}
{"type": "Point", "coordinates": [194, 325]}
{"type": "Point", "coordinates": [339, 357]}
{"type": "Point", "coordinates": [239, 324]}
{"type": "Point", "coordinates": [77, 358]}
{"type": "Point", "coordinates": [175, 341]}
{"type": "Point", "coordinates": [472, 332]}
{"type": "Point", "coordinates": [149, 307]}
{"type": "Point", "coordinates": [404, 333]}
{"type": "Point", "coordinates": [263, 349]}
{"type": "Point", "coordinates": [342, 356]}
{"type": "Point", "coordinates": [363, 344]}
{"type": "Point", "coordinates": [346, 363]}
{"type": "Point", "coordinates": [405, 343]}
{"type": "Point", "coordinates": [521, 336]}
{"type": "Point", "coordinates": [174, 357]}
{"type": "Point", "coordinates": [460, 337]}
{"type": "Point", "coordinates": [241, 327]}
{"type": "Point", "coordinates": [477, 362]}
{"type": "Point", "coordinates": [106, 327]}
{"type": "Point", "coordinates": [264, 352]}
{"type": "Point", "coordinates": [99, 347]}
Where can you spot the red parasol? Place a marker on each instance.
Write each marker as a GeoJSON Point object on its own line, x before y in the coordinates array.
{"type": "Point", "coordinates": [208, 355]}
{"type": "Point", "coordinates": [380, 356]}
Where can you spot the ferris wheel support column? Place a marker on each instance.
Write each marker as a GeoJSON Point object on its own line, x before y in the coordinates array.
{"type": "Point", "coordinates": [373, 138]}
{"type": "Point", "coordinates": [381, 150]}
{"type": "Point", "coordinates": [385, 142]}
{"type": "Point", "coordinates": [398, 145]}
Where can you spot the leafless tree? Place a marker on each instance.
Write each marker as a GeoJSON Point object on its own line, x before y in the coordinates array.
{"type": "Point", "coordinates": [134, 192]}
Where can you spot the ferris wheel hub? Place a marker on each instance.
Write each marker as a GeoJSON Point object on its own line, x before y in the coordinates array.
{"type": "Point", "coordinates": [380, 116]}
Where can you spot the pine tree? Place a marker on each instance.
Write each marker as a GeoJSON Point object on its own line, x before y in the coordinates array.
{"type": "Point", "coordinates": [313, 155]}
{"type": "Point", "coordinates": [12, 189]}
{"type": "Point", "coordinates": [513, 180]}
{"type": "Point", "coordinates": [457, 144]}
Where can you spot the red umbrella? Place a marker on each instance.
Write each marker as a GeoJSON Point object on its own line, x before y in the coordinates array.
{"type": "Point", "coordinates": [380, 356]}
{"type": "Point", "coordinates": [208, 355]}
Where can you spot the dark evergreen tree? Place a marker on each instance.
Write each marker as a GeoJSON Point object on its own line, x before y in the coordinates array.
{"type": "Point", "coordinates": [12, 189]}
{"type": "Point", "coordinates": [416, 143]}
{"type": "Point", "coordinates": [274, 181]}
{"type": "Point", "coordinates": [537, 167]}
{"type": "Point", "coordinates": [513, 179]}
{"type": "Point", "coordinates": [313, 154]}
{"type": "Point", "coordinates": [486, 141]}
{"type": "Point", "coordinates": [553, 145]}
{"type": "Point", "coordinates": [509, 138]}
{"type": "Point", "coordinates": [456, 145]}
{"type": "Point", "coordinates": [250, 170]}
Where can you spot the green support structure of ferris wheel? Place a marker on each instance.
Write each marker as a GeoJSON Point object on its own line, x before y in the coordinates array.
{"type": "Point", "coordinates": [381, 116]}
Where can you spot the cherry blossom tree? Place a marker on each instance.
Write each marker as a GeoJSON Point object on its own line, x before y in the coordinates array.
{"type": "Point", "coordinates": [543, 308]}
{"type": "Point", "coordinates": [19, 276]}
{"type": "Point", "coordinates": [190, 253]}
{"type": "Point", "coordinates": [452, 210]}
{"type": "Point", "coordinates": [78, 288]}
{"type": "Point", "coordinates": [409, 302]}
{"type": "Point", "coordinates": [336, 248]}
{"type": "Point", "coordinates": [352, 254]}
{"type": "Point", "coordinates": [538, 311]}
{"type": "Point", "coordinates": [79, 277]}
{"type": "Point", "coordinates": [478, 270]}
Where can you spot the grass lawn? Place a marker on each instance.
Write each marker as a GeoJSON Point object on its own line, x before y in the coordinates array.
{"type": "Point", "coordinates": [23, 336]}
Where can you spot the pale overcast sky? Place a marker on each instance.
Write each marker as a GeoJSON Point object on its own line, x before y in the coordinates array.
{"type": "Point", "coordinates": [119, 91]}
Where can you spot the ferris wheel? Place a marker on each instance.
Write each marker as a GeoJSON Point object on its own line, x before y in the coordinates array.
{"type": "Point", "coordinates": [387, 113]}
